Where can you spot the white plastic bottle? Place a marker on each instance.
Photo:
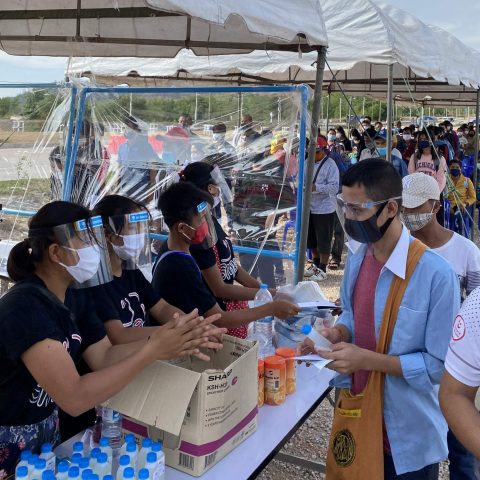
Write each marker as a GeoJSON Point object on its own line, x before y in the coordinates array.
{"type": "Point", "coordinates": [76, 457]}
{"type": "Point", "coordinates": [106, 448]}
{"type": "Point", "coordinates": [103, 467]}
{"type": "Point", "coordinates": [123, 463]}
{"type": "Point", "coordinates": [40, 467]}
{"type": "Point", "coordinates": [129, 437]}
{"type": "Point", "coordinates": [263, 331]}
{"type": "Point", "coordinates": [112, 429]}
{"type": "Point", "coordinates": [144, 474]}
{"type": "Point", "coordinates": [151, 464]}
{"type": "Point", "coordinates": [84, 464]}
{"type": "Point", "coordinates": [131, 451]}
{"type": "Point", "coordinates": [128, 474]}
{"type": "Point", "coordinates": [21, 472]}
{"type": "Point", "coordinates": [159, 473]}
{"type": "Point", "coordinates": [320, 342]}
{"type": "Point", "coordinates": [78, 447]}
{"type": "Point", "coordinates": [73, 473]}
{"type": "Point", "coordinates": [62, 470]}
{"type": "Point", "coordinates": [86, 474]}
{"type": "Point", "coordinates": [48, 475]}
{"type": "Point", "coordinates": [31, 463]}
{"type": "Point", "coordinates": [142, 454]}
{"type": "Point", "coordinates": [93, 457]}
{"type": "Point", "coordinates": [49, 456]}
{"type": "Point", "coordinates": [24, 456]}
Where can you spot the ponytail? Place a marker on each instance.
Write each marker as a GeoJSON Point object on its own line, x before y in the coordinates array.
{"type": "Point", "coordinates": [24, 255]}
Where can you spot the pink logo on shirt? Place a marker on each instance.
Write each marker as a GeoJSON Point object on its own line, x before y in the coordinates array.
{"type": "Point", "coordinates": [459, 329]}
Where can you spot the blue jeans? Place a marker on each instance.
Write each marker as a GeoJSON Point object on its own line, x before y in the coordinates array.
{"type": "Point", "coordinates": [430, 472]}
{"type": "Point", "coordinates": [462, 462]}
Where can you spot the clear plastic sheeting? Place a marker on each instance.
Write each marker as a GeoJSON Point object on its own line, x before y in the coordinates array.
{"type": "Point", "coordinates": [135, 143]}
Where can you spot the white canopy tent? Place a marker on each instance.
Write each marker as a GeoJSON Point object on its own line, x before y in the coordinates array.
{"type": "Point", "coordinates": [160, 28]}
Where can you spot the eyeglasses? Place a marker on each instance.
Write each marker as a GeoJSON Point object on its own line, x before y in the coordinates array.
{"type": "Point", "coordinates": [351, 206]}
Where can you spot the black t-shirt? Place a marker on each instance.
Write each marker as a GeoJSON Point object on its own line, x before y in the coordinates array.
{"type": "Point", "coordinates": [206, 258]}
{"type": "Point", "coordinates": [30, 313]}
{"type": "Point", "coordinates": [127, 298]}
{"type": "Point", "coordinates": [178, 280]}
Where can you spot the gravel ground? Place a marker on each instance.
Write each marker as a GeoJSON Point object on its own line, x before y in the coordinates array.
{"type": "Point", "coordinates": [311, 440]}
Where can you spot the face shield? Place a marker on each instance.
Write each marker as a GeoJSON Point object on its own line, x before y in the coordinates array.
{"type": "Point", "coordinates": [359, 220]}
{"type": "Point", "coordinates": [221, 183]}
{"type": "Point", "coordinates": [204, 234]}
{"type": "Point", "coordinates": [85, 254]}
{"type": "Point", "coordinates": [129, 239]}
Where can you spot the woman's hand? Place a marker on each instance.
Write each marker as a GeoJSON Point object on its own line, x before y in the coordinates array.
{"type": "Point", "coordinates": [284, 309]}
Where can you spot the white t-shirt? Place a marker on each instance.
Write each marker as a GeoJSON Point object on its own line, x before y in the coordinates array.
{"type": "Point", "coordinates": [463, 356]}
{"type": "Point", "coordinates": [464, 256]}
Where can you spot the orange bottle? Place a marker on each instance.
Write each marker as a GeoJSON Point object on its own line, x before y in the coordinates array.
{"type": "Point", "coordinates": [288, 354]}
{"type": "Point", "coordinates": [261, 383]}
{"type": "Point", "coordinates": [275, 380]}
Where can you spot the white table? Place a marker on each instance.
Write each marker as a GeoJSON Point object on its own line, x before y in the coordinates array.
{"type": "Point", "coordinates": [276, 425]}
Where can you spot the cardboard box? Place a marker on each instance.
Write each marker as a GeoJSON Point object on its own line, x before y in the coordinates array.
{"type": "Point", "coordinates": [200, 411]}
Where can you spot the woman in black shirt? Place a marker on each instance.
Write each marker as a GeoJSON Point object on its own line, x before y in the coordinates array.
{"type": "Point", "coordinates": [40, 338]}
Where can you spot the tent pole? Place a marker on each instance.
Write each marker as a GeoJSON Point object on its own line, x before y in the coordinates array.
{"type": "Point", "coordinates": [327, 124]}
{"type": "Point", "coordinates": [390, 113]}
{"type": "Point", "coordinates": [475, 159]}
{"type": "Point", "coordinates": [308, 178]}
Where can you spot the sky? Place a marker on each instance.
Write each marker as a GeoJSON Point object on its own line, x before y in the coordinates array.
{"type": "Point", "coordinates": [443, 13]}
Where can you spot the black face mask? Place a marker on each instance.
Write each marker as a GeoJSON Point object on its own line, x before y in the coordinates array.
{"type": "Point", "coordinates": [367, 231]}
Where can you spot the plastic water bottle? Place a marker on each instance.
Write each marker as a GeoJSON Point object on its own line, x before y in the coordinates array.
{"type": "Point", "coordinates": [76, 457]}
{"type": "Point", "coordinates": [112, 429]}
{"type": "Point", "coordinates": [48, 475]}
{"type": "Point", "coordinates": [144, 474]}
{"type": "Point", "coordinates": [84, 464]}
{"type": "Point", "coordinates": [151, 463]}
{"type": "Point", "coordinates": [129, 438]}
{"type": "Point", "coordinates": [31, 463]}
{"type": "Point", "coordinates": [131, 451]}
{"type": "Point", "coordinates": [142, 454]}
{"type": "Point", "coordinates": [263, 332]}
{"type": "Point", "coordinates": [123, 463]}
{"type": "Point", "coordinates": [103, 467]}
{"type": "Point", "coordinates": [62, 470]}
{"type": "Point", "coordinates": [106, 448]}
{"type": "Point", "coordinates": [78, 447]}
{"type": "Point", "coordinates": [49, 457]}
{"type": "Point", "coordinates": [21, 472]}
{"type": "Point", "coordinates": [86, 474]}
{"type": "Point", "coordinates": [24, 456]}
{"type": "Point", "coordinates": [40, 467]}
{"type": "Point", "coordinates": [128, 474]}
{"type": "Point", "coordinates": [159, 473]}
{"type": "Point", "coordinates": [73, 473]}
{"type": "Point", "coordinates": [320, 342]}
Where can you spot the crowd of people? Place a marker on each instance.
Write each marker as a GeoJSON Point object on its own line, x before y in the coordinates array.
{"type": "Point", "coordinates": [409, 296]}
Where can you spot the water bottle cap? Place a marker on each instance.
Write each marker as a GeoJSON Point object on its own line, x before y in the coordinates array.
{"type": "Point", "coordinates": [129, 437]}
{"type": "Point", "coordinates": [306, 329]}
{"type": "Point", "coordinates": [73, 472]}
{"type": "Point", "coordinates": [124, 460]}
{"type": "Point", "coordinates": [128, 472]}
{"type": "Point", "coordinates": [63, 467]}
{"type": "Point", "coordinates": [143, 474]}
{"type": "Point", "coordinates": [104, 442]}
{"type": "Point", "coordinates": [32, 459]}
{"type": "Point", "coordinates": [40, 463]}
{"type": "Point", "coordinates": [84, 463]}
{"type": "Point", "coordinates": [156, 447]}
{"type": "Point", "coordinates": [146, 443]}
{"type": "Point", "coordinates": [47, 474]}
{"type": "Point", "coordinates": [263, 286]}
{"type": "Point", "coordinates": [46, 448]}
{"type": "Point", "coordinates": [76, 457]}
{"type": "Point", "coordinates": [22, 472]}
{"type": "Point", "coordinates": [93, 476]}
{"type": "Point", "coordinates": [108, 477]}
{"type": "Point", "coordinates": [151, 457]}
{"type": "Point", "coordinates": [78, 447]}
{"type": "Point", "coordinates": [25, 455]}
{"type": "Point", "coordinates": [131, 447]}
{"type": "Point", "coordinates": [94, 453]}
{"type": "Point", "coordinates": [102, 458]}
{"type": "Point", "coordinates": [86, 473]}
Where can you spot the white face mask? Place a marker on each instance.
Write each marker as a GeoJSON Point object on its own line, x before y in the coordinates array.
{"type": "Point", "coordinates": [416, 221]}
{"type": "Point", "coordinates": [132, 246]}
{"type": "Point", "coordinates": [88, 262]}
{"type": "Point", "coordinates": [407, 137]}
{"type": "Point", "coordinates": [218, 137]}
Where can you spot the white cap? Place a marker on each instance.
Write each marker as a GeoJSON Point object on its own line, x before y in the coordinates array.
{"type": "Point", "coordinates": [418, 188]}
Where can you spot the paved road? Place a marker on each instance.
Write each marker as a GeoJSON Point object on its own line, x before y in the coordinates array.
{"type": "Point", "coordinates": [22, 160]}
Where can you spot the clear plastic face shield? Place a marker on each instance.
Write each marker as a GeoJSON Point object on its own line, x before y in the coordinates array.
{"type": "Point", "coordinates": [360, 220]}
{"type": "Point", "coordinates": [202, 232]}
{"type": "Point", "coordinates": [84, 252]}
{"type": "Point", "coordinates": [128, 237]}
{"type": "Point", "coordinates": [224, 191]}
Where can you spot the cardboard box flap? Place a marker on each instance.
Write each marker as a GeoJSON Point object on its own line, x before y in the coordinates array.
{"type": "Point", "coordinates": [158, 396]}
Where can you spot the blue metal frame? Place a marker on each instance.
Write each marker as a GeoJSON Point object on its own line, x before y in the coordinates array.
{"type": "Point", "coordinates": [67, 190]}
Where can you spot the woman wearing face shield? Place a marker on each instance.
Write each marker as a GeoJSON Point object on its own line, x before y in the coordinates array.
{"type": "Point", "coordinates": [41, 338]}
{"type": "Point", "coordinates": [231, 284]}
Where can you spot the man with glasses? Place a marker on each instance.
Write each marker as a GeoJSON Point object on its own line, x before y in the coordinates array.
{"type": "Point", "coordinates": [414, 430]}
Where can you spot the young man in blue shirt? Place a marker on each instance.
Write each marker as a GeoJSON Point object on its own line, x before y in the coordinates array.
{"type": "Point", "coordinates": [415, 432]}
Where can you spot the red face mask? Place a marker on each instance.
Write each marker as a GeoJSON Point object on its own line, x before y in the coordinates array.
{"type": "Point", "coordinates": [200, 234]}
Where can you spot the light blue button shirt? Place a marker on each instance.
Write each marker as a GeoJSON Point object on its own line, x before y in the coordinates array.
{"type": "Point", "coordinates": [415, 425]}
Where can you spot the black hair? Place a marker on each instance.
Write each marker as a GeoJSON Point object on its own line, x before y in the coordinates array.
{"type": "Point", "coordinates": [179, 202]}
{"type": "Point", "coordinates": [341, 130]}
{"type": "Point", "coordinates": [25, 255]}
{"type": "Point", "coordinates": [407, 128]}
{"type": "Point", "coordinates": [198, 173]}
{"type": "Point", "coordinates": [116, 206]}
{"type": "Point", "coordinates": [379, 178]}
{"type": "Point", "coordinates": [430, 134]}
{"type": "Point", "coordinates": [219, 128]}
{"type": "Point", "coordinates": [367, 117]}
